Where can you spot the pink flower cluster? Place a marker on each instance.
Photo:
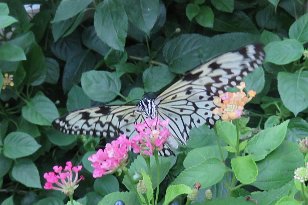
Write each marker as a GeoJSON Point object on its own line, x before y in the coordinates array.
{"type": "Point", "coordinates": [111, 158]}
{"type": "Point", "coordinates": [152, 135]}
{"type": "Point", "coordinates": [63, 179]}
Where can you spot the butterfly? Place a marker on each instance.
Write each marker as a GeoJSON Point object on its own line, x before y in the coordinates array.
{"type": "Point", "coordinates": [187, 103]}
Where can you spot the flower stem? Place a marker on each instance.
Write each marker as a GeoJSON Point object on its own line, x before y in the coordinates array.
{"type": "Point", "coordinates": [71, 199]}
{"type": "Point", "coordinates": [304, 194]}
{"type": "Point", "coordinates": [158, 176]}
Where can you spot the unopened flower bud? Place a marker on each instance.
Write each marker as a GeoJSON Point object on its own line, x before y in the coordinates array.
{"type": "Point", "coordinates": [177, 30]}
{"type": "Point", "coordinates": [303, 145]}
{"type": "Point", "coordinates": [141, 187]}
{"type": "Point", "coordinates": [208, 194]}
{"type": "Point", "coordinates": [193, 195]}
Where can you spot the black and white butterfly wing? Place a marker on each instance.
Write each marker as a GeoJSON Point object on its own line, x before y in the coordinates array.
{"type": "Point", "coordinates": [189, 102]}
{"type": "Point", "coordinates": [106, 121]}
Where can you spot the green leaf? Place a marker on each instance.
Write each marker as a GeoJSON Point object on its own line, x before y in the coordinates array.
{"type": "Point", "coordinates": [255, 80]}
{"type": "Point", "coordinates": [297, 129]}
{"type": "Point", "coordinates": [293, 90]}
{"type": "Point", "coordinates": [229, 201]}
{"type": "Point", "coordinates": [299, 29]}
{"type": "Point", "coordinates": [106, 185]}
{"type": "Point", "coordinates": [152, 78]}
{"type": "Point", "coordinates": [135, 94]}
{"type": "Point", "coordinates": [175, 190]}
{"type": "Point", "coordinates": [6, 21]}
{"type": "Point", "coordinates": [111, 23]}
{"type": "Point", "coordinates": [142, 14]}
{"type": "Point", "coordinates": [52, 200]}
{"type": "Point", "coordinates": [107, 83]}
{"type": "Point", "coordinates": [226, 131]}
{"type": "Point", "coordinates": [205, 17]}
{"type": "Point", "coordinates": [86, 163]}
{"type": "Point", "coordinates": [40, 110]}
{"type": "Point", "coordinates": [274, 2]}
{"type": "Point", "coordinates": [8, 201]}
{"type": "Point", "coordinates": [192, 10]}
{"type": "Point", "coordinates": [77, 99]}
{"type": "Point", "coordinates": [288, 200]}
{"type": "Point", "coordinates": [139, 165]}
{"type": "Point", "coordinates": [114, 57]}
{"type": "Point", "coordinates": [271, 196]}
{"type": "Point", "coordinates": [245, 169]}
{"type": "Point", "coordinates": [35, 66]}
{"type": "Point", "coordinates": [6, 164]}
{"type": "Point", "coordinates": [75, 66]}
{"type": "Point", "coordinates": [223, 5]}
{"type": "Point", "coordinates": [4, 9]}
{"type": "Point", "coordinates": [266, 141]}
{"type": "Point", "coordinates": [1, 81]}
{"type": "Point", "coordinates": [272, 121]}
{"type": "Point", "coordinates": [199, 155]}
{"type": "Point", "coordinates": [53, 70]}
{"type": "Point", "coordinates": [25, 143]}
{"type": "Point", "coordinates": [278, 168]}
{"type": "Point", "coordinates": [267, 37]}
{"type": "Point", "coordinates": [92, 41]}
{"type": "Point", "coordinates": [201, 136]}
{"type": "Point", "coordinates": [10, 52]}
{"type": "Point", "coordinates": [59, 138]}
{"type": "Point", "coordinates": [25, 172]}
{"type": "Point", "coordinates": [29, 128]}
{"type": "Point", "coordinates": [283, 52]}
{"type": "Point", "coordinates": [126, 197]}
{"type": "Point", "coordinates": [70, 8]}
{"type": "Point", "coordinates": [203, 173]}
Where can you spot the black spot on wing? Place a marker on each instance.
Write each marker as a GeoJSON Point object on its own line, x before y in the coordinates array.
{"type": "Point", "coordinates": [243, 52]}
{"type": "Point", "coordinates": [214, 66]}
{"type": "Point", "coordinates": [105, 110]}
{"type": "Point", "coordinates": [190, 76]}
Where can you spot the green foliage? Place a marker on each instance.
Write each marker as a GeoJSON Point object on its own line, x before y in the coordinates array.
{"type": "Point", "coordinates": [77, 53]}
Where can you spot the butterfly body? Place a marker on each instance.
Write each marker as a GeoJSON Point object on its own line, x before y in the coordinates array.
{"type": "Point", "coordinates": [187, 103]}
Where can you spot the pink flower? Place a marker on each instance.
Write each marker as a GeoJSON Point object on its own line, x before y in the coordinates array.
{"type": "Point", "coordinates": [152, 135]}
{"type": "Point", "coordinates": [112, 158]}
{"type": "Point", "coordinates": [65, 180]}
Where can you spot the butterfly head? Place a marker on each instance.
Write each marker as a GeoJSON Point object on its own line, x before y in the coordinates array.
{"type": "Point", "coordinates": [147, 107]}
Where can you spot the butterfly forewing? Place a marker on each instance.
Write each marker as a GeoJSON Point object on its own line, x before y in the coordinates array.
{"type": "Point", "coordinates": [189, 102]}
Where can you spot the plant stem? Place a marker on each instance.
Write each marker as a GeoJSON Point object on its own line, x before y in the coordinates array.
{"type": "Point", "coordinates": [158, 176]}
{"type": "Point", "coordinates": [304, 195]}
{"type": "Point", "coordinates": [71, 199]}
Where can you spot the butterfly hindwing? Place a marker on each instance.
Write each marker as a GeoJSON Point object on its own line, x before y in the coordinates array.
{"type": "Point", "coordinates": [106, 121]}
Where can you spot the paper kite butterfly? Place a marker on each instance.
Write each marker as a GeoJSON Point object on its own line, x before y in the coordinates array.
{"type": "Point", "coordinates": [187, 103]}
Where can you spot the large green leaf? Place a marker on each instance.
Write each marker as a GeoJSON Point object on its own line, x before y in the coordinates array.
{"type": "Point", "coordinates": [106, 185]}
{"type": "Point", "coordinates": [192, 10]}
{"type": "Point", "coordinates": [293, 90]}
{"type": "Point", "coordinates": [10, 52]}
{"type": "Point", "coordinates": [6, 21]}
{"type": "Point", "coordinates": [207, 173]}
{"type": "Point", "coordinates": [35, 66]}
{"type": "Point", "coordinates": [266, 141]}
{"type": "Point", "coordinates": [40, 110]}
{"type": "Point", "coordinates": [152, 78]}
{"type": "Point", "coordinates": [201, 136]}
{"type": "Point", "coordinates": [175, 190]}
{"type": "Point", "coordinates": [53, 70]}
{"type": "Point", "coordinates": [77, 99]}
{"type": "Point", "coordinates": [299, 29]}
{"type": "Point", "coordinates": [6, 164]}
{"type": "Point", "coordinates": [223, 5]}
{"type": "Point", "coordinates": [25, 172]}
{"type": "Point", "coordinates": [278, 168]}
{"type": "Point", "coordinates": [4, 9]}
{"type": "Point", "coordinates": [283, 52]}
{"type": "Point", "coordinates": [101, 86]}
{"type": "Point", "coordinates": [126, 197]}
{"type": "Point", "coordinates": [92, 41]}
{"type": "Point", "coordinates": [110, 22]}
{"type": "Point", "coordinates": [142, 13]}
{"type": "Point", "coordinates": [227, 132]}
{"type": "Point", "coordinates": [70, 8]}
{"type": "Point", "coordinates": [52, 200]}
{"type": "Point", "coordinates": [25, 143]}
{"type": "Point", "coordinates": [205, 17]}
{"type": "Point", "coordinates": [245, 169]}
{"type": "Point", "coordinates": [75, 66]}
{"type": "Point", "coordinates": [255, 80]}
{"type": "Point", "coordinates": [60, 139]}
